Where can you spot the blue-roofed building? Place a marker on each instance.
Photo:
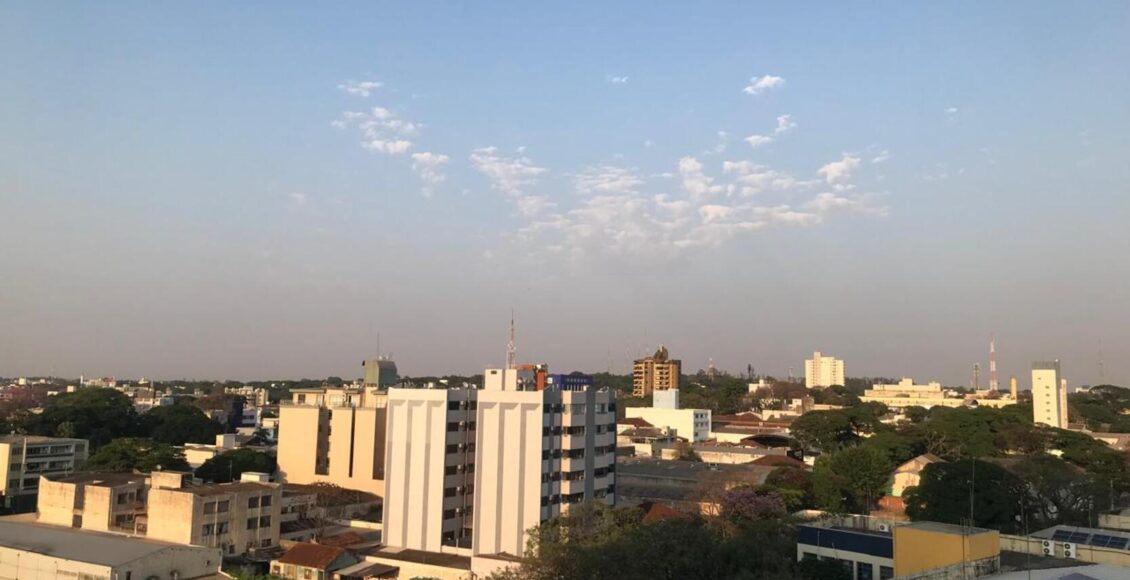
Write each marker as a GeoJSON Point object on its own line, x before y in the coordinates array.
{"type": "Point", "coordinates": [573, 382]}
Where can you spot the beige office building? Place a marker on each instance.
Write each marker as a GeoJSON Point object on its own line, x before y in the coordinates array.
{"type": "Point", "coordinates": [1049, 395]}
{"type": "Point", "coordinates": [823, 371]}
{"type": "Point", "coordinates": [474, 469]}
{"type": "Point", "coordinates": [24, 458]}
{"type": "Point", "coordinates": [334, 435]}
{"type": "Point", "coordinates": [238, 518]}
{"type": "Point", "coordinates": [97, 501]}
{"type": "Point", "coordinates": [658, 372]}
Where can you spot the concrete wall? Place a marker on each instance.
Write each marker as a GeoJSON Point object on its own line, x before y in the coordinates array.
{"type": "Point", "coordinates": [354, 446]}
{"type": "Point", "coordinates": [1085, 553]}
{"type": "Point", "coordinates": [508, 470]}
{"type": "Point", "coordinates": [415, 460]}
{"type": "Point", "coordinates": [56, 502]}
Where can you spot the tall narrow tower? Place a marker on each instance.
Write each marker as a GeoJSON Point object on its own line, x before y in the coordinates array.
{"type": "Point", "coordinates": [992, 363]}
{"type": "Point", "coordinates": [511, 347]}
{"type": "Point", "coordinates": [976, 376]}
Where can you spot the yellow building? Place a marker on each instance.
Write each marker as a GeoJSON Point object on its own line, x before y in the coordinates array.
{"type": "Point", "coordinates": [334, 435]}
{"type": "Point", "coordinates": [240, 517]}
{"type": "Point", "coordinates": [658, 372]}
{"type": "Point", "coordinates": [907, 394]}
{"type": "Point", "coordinates": [1049, 395]}
{"type": "Point", "coordinates": [924, 546]}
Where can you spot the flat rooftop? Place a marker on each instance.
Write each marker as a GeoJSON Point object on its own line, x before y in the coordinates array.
{"type": "Point", "coordinates": [224, 488]}
{"type": "Point", "coordinates": [102, 478]}
{"type": "Point", "coordinates": [423, 557]}
{"type": "Point", "coordinates": [10, 438]}
{"type": "Point", "coordinates": [78, 545]}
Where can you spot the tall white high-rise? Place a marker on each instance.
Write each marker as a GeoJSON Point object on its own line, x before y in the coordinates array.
{"type": "Point", "coordinates": [1049, 395]}
{"type": "Point", "coordinates": [477, 468]}
{"type": "Point", "coordinates": [823, 371]}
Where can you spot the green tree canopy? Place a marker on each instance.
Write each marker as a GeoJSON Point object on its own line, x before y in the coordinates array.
{"type": "Point", "coordinates": [179, 424]}
{"type": "Point", "coordinates": [946, 489]}
{"type": "Point", "coordinates": [142, 455]}
{"type": "Point", "coordinates": [824, 431]}
{"type": "Point", "coordinates": [851, 480]}
{"type": "Point", "coordinates": [228, 466]}
{"type": "Point", "coordinates": [96, 414]}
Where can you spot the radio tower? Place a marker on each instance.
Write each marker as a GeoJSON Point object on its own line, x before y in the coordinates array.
{"type": "Point", "coordinates": [992, 363]}
{"type": "Point", "coordinates": [511, 347]}
{"type": "Point", "coordinates": [976, 376]}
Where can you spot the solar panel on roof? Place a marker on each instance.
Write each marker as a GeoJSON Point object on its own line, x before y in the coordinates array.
{"type": "Point", "coordinates": [1061, 536]}
{"type": "Point", "coordinates": [1079, 537]}
{"type": "Point", "coordinates": [1119, 543]}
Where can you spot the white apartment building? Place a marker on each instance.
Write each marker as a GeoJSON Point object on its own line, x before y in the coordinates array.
{"type": "Point", "coordinates": [690, 424]}
{"type": "Point", "coordinates": [23, 458]}
{"type": "Point", "coordinates": [476, 468]}
{"type": "Point", "coordinates": [823, 371]}
{"type": "Point", "coordinates": [1049, 395]}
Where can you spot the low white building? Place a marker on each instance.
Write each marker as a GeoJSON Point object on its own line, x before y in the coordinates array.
{"type": "Point", "coordinates": [690, 424]}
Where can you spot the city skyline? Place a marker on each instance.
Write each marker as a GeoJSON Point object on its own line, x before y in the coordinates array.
{"type": "Point", "coordinates": [889, 185]}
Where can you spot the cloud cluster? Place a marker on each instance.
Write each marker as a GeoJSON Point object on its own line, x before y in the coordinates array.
{"type": "Point", "coordinates": [511, 175]}
{"type": "Point", "coordinates": [785, 124]}
{"type": "Point", "coordinates": [758, 85]}
{"type": "Point", "coordinates": [614, 215]}
{"type": "Point", "coordinates": [617, 80]}
{"type": "Point", "coordinates": [382, 131]}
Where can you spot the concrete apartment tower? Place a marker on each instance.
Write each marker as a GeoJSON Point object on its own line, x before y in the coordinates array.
{"type": "Point", "coordinates": [658, 372]}
{"type": "Point", "coordinates": [823, 371]}
{"type": "Point", "coordinates": [1049, 395]}
{"type": "Point", "coordinates": [473, 469]}
{"type": "Point", "coordinates": [335, 434]}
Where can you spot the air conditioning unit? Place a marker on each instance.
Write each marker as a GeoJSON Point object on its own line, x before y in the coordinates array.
{"type": "Point", "coordinates": [884, 527]}
{"type": "Point", "coordinates": [1049, 549]}
{"type": "Point", "coordinates": [1069, 549]}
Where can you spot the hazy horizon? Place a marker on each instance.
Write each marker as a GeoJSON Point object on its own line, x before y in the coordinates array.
{"type": "Point", "coordinates": [255, 191]}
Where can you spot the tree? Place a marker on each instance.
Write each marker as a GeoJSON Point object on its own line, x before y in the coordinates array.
{"type": "Point", "coordinates": [944, 493]}
{"type": "Point", "coordinates": [228, 466]}
{"type": "Point", "coordinates": [1061, 493]}
{"type": "Point", "coordinates": [179, 424]}
{"type": "Point", "coordinates": [899, 446]}
{"type": "Point", "coordinates": [792, 484]}
{"type": "Point", "coordinates": [915, 413]}
{"type": "Point", "coordinates": [824, 431]}
{"type": "Point", "coordinates": [746, 505]}
{"type": "Point", "coordinates": [142, 455]}
{"type": "Point", "coordinates": [851, 479]}
{"type": "Point", "coordinates": [98, 415]}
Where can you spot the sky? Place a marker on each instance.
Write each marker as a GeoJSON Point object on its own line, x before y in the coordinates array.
{"type": "Point", "coordinates": [260, 190]}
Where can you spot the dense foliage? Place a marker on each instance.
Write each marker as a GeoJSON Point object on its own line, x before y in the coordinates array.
{"type": "Point", "coordinates": [228, 466]}
{"type": "Point", "coordinates": [136, 455]}
{"type": "Point", "coordinates": [750, 539]}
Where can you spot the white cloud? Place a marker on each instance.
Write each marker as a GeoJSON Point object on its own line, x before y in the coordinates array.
{"type": "Point", "coordinates": [695, 181]}
{"type": "Point", "coordinates": [839, 172]}
{"type": "Point", "coordinates": [360, 88]}
{"type": "Point", "coordinates": [617, 80]}
{"type": "Point", "coordinates": [507, 174]}
{"type": "Point", "coordinates": [603, 179]}
{"type": "Point", "coordinates": [756, 141]}
{"type": "Point", "coordinates": [752, 179]}
{"type": "Point", "coordinates": [951, 110]}
{"type": "Point", "coordinates": [297, 198]}
{"type": "Point", "coordinates": [649, 143]}
{"type": "Point", "coordinates": [389, 146]}
{"type": "Point", "coordinates": [827, 203]}
{"type": "Point", "coordinates": [429, 166]}
{"type": "Point", "coordinates": [785, 124]}
{"type": "Point", "coordinates": [758, 85]}
{"type": "Point", "coordinates": [882, 157]}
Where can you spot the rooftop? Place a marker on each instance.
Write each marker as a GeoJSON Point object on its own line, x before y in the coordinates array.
{"type": "Point", "coordinates": [635, 422]}
{"type": "Point", "coordinates": [948, 528]}
{"type": "Point", "coordinates": [225, 488]}
{"type": "Point", "coordinates": [103, 478]}
{"type": "Point", "coordinates": [311, 555]}
{"type": "Point", "coordinates": [13, 438]}
{"type": "Point", "coordinates": [422, 557]}
{"type": "Point", "coordinates": [78, 545]}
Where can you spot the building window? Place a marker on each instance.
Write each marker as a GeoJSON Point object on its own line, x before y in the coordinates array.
{"type": "Point", "coordinates": [265, 522]}
{"type": "Point", "coordinates": [886, 572]}
{"type": "Point", "coordinates": [252, 523]}
{"type": "Point", "coordinates": [265, 501]}
{"type": "Point", "coordinates": [864, 571]}
{"type": "Point", "coordinates": [253, 502]}
{"type": "Point", "coordinates": [209, 529]}
{"type": "Point", "coordinates": [223, 506]}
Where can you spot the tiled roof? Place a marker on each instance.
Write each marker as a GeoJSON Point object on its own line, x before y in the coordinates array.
{"type": "Point", "coordinates": [311, 555]}
{"type": "Point", "coordinates": [635, 422]}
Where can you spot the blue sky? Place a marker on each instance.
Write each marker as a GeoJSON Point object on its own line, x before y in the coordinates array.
{"type": "Point", "coordinates": [258, 189]}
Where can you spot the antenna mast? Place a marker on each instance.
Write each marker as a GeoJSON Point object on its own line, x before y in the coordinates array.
{"type": "Point", "coordinates": [992, 363]}
{"type": "Point", "coordinates": [976, 376]}
{"type": "Point", "coordinates": [511, 347]}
